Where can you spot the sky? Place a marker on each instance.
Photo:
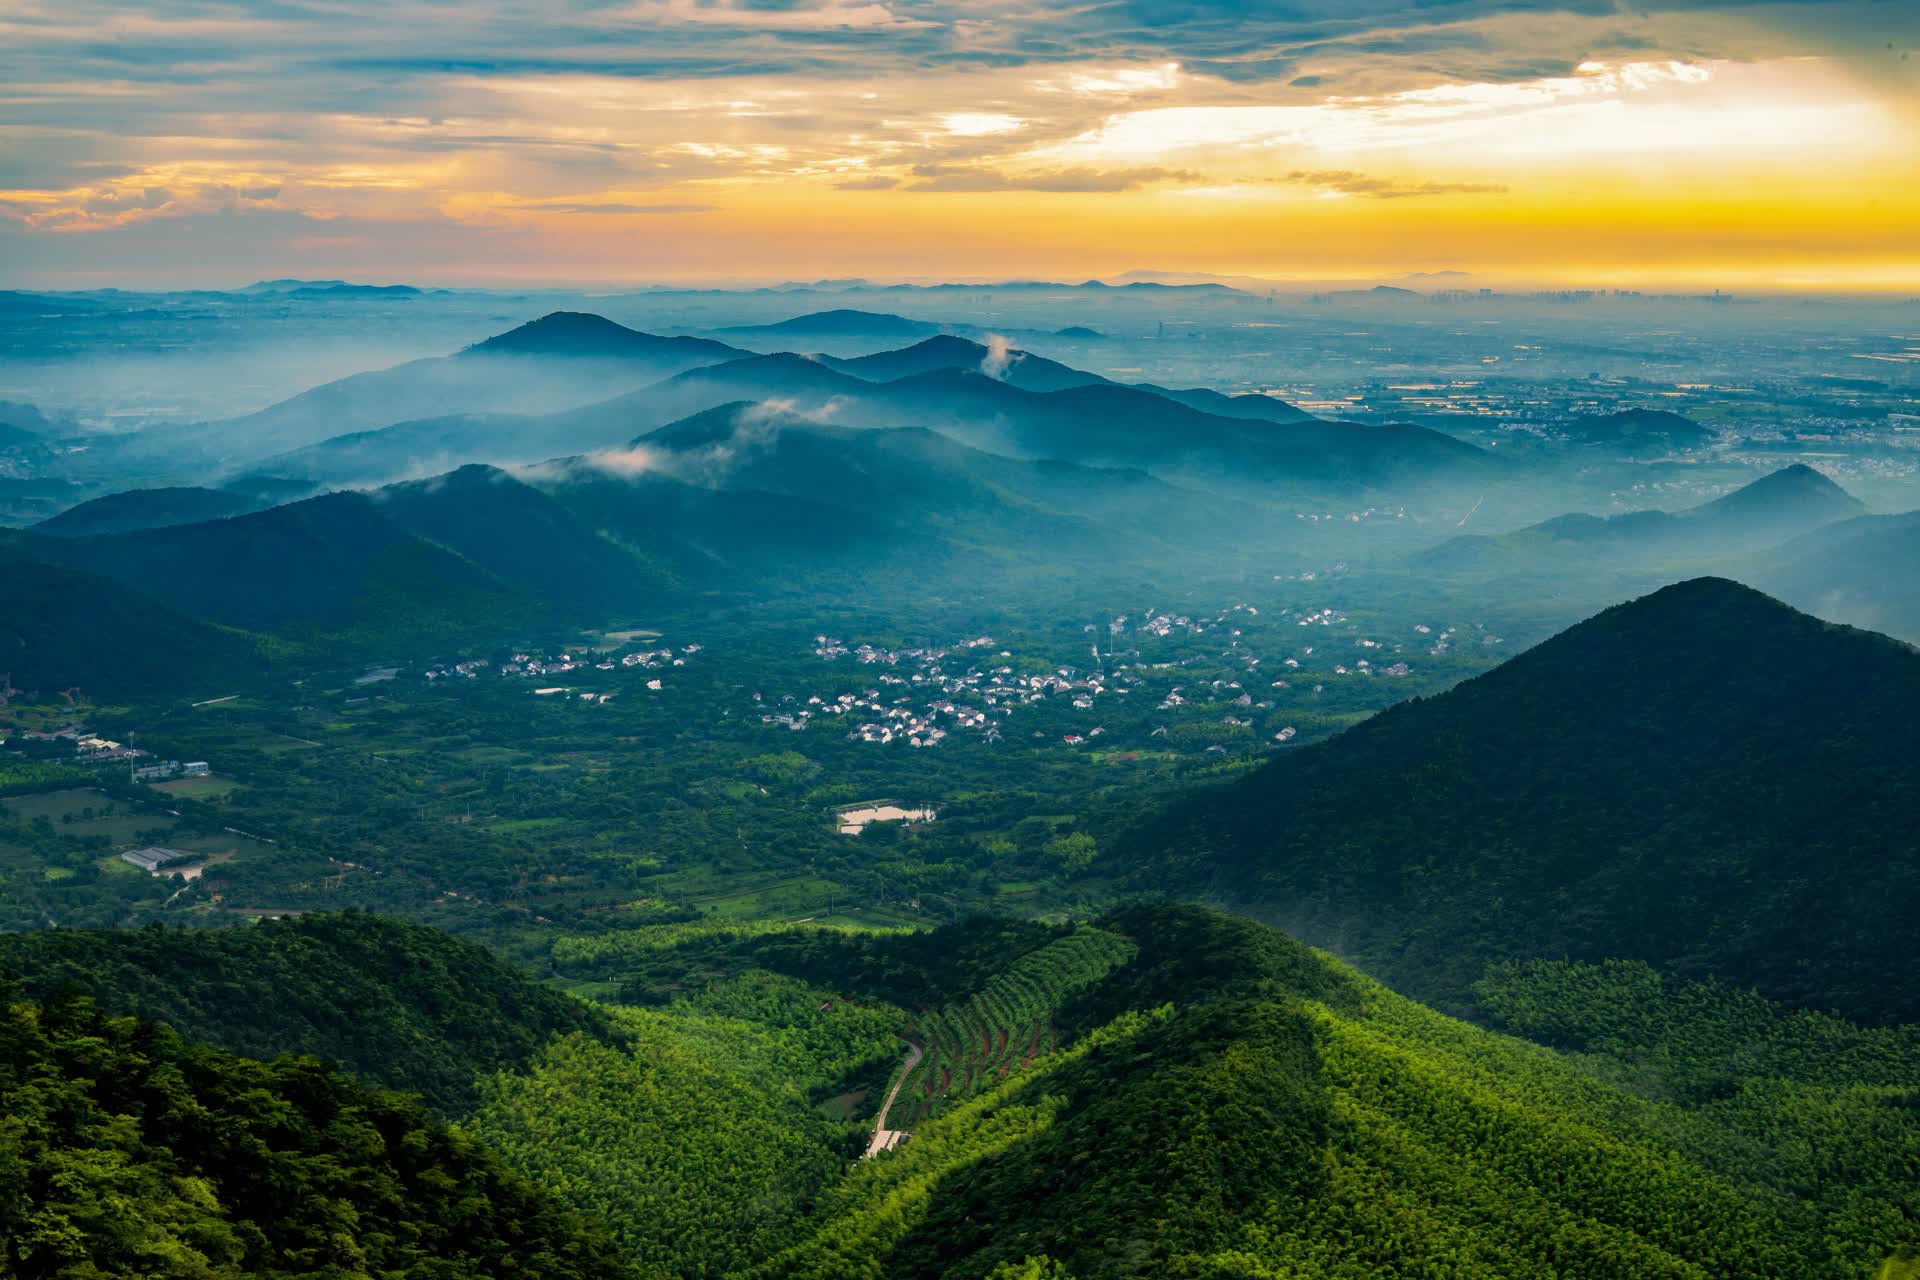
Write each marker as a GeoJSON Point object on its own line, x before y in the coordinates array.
{"type": "Point", "coordinates": [1579, 142]}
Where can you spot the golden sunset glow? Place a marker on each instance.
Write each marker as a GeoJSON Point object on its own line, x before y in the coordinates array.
{"type": "Point", "coordinates": [685, 140]}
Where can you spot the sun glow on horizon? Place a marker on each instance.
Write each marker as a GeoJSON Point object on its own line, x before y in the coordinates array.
{"type": "Point", "coordinates": [1791, 165]}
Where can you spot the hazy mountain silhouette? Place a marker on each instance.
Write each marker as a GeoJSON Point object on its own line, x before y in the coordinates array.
{"type": "Point", "coordinates": [144, 509]}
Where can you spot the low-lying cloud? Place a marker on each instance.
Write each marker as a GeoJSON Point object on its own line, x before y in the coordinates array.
{"type": "Point", "coordinates": [1346, 182]}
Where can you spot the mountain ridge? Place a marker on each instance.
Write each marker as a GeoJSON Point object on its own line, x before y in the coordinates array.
{"type": "Point", "coordinates": [1733, 815]}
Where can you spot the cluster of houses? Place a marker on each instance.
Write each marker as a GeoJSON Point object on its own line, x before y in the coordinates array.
{"type": "Point", "coordinates": [528, 666]}
{"type": "Point", "coordinates": [534, 666]}
{"type": "Point", "coordinates": [458, 671]}
{"type": "Point", "coordinates": [925, 695]}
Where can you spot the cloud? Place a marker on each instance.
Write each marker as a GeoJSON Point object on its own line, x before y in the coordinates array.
{"type": "Point", "coordinates": [629, 463]}
{"type": "Point", "coordinates": [999, 356]}
{"type": "Point", "coordinates": [393, 115]}
{"type": "Point", "coordinates": [1348, 183]}
{"type": "Point", "coordinates": [576, 206]}
{"type": "Point", "coordinates": [943, 177]}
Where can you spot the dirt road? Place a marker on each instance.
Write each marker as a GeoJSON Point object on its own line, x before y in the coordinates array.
{"type": "Point", "coordinates": [883, 1137]}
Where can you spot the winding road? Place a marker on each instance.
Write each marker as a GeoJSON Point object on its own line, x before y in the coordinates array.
{"type": "Point", "coordinates": [883, 1137]}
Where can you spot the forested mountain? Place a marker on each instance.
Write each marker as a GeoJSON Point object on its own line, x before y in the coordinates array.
{"type": "Point", "coordinates": [398, 1005]}
{"type": "Point", "coordinates": [1637, 430]}
{"type": "Point", "coordinates": [137, 509]}
{"type": "Point", "coordinates": [579, 335]}
{"type": "Point", "coordinates": [556, 362]}
{"type": "Point", "coordinates": [711, 539]}
{"type": "Point", "coordinates": [1702, 779]}
{"type": "Point", "coordinates": [1001, 401]}
{"type": "Point", "coordinates": [1169, 1091]}
{"type": "Point", "coordinates": [1226, 1103]}
{"type": "Point", "coordinates": [1247, 404]}
{"type": "Point", "coordinates": [1018, 368]}
{"type": "Point", "coordinates": [520, 536]}
{"type": "Point", "coordinates": [1846, 573]}
{"type": "Point", "coordinates": [67, 629]}
{"type": "Point", "coordinates": [843, 322]}
{"type": "Point", "coordinates": [1099, 423]}
{"type": "Point", "coordinates": [1781, 505]}
{"type": "Point", "coordinates": [328, 565]}
{"type": "Point", "coordinates": [916, 486]}
{"type": "Point", "coordinates": [476, 546]}
{"type": "Point", "coordinates": [126, 1151]}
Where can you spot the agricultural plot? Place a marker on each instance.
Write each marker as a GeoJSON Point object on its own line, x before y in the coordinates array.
{"type": "Point", "coordinates": [973, 1043]}
{"type": "Point", "coordinates": [204, 787]}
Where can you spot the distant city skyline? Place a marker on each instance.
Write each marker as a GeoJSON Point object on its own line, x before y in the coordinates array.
{"type": "Point", "coordinates": [1739, 146]}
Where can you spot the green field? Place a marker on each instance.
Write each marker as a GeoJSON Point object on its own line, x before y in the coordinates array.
{"type": "Point", "coordinates": [207, 787]}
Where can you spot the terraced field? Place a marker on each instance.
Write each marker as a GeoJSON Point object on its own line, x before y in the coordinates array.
{"type": "Point", "coordinates": [977, 1041]}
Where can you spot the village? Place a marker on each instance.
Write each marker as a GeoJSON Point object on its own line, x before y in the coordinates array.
{"type": "Point", "coordinates": [920, 697]}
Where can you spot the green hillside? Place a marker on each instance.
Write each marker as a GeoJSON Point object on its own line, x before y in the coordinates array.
{"type": "Point", "coordinates": [1211, 1098]}
{"type": "Point", "coordinates": [1702, 779]}
{"type": "Point", "coordinates": [63, 628]}
{"type": "Point", "coordinates": [475, 549]}
{"type": "Point", "coordinates": [125, 1151]}
{"type": "Point", "coordinates": [1841, 573]}
{"type": "Point", "coordinates": [136, 509]}
{"type": "Point", "coordinates": [1262, 1110]}
{"type": "Point", "coordinates": [397, 1004]}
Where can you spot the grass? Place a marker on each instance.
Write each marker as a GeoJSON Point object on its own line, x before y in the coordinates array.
{"type": "Point", "coordinates": [63, 810]}
{"type": "Point", "coordinates": [204, 788]}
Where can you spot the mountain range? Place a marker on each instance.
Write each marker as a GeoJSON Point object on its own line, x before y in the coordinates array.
{"type": "Point", "coordinates": [1764, 513]}
{"type": "Point", "coordinates": [996, 399]}
{"type": "Point", "coordinates": [555, 362]}
{"type": "Point", "coordinates": [1210, 1098]}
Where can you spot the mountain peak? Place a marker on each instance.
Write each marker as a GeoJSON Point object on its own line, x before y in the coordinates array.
{"type": "Point", "coordinates": [581, 333]}
{"type": "Point", "coordinates": [845, 320]}
{"type": "Point", "coordinates": [1797, 491]}
{"type": "Point", "coordinates": [1673, 780]}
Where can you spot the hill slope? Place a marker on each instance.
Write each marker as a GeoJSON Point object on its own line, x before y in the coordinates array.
{"type": "Point", "coordinates": [472, 548]}
{"type": "Point", "coordinates": [397, 1004]}
{"type": "Point", "coordinates": [64, 628]}
{"type": "Point", "coordinates": [1228, 1103]}
{"type": "Point", "coordinates": [126, 1151]}
{"type": "Point", "coordinates": [1638, 430]}
{"type": "Point", "coordinates": [552, 363]}
{"type": "Point", "coordinates": [1852, 572]}
{"type": "Point", "coordinates": [1702, 779]}
{"type": "Point", "coordinates": [1022, 369]}
{"type": "Point", "coordinates": [842, 322]}
{"type": "Point", "coordinates": [143, 509]}
{"type": "Point", "coordinates": [1780, 505]}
